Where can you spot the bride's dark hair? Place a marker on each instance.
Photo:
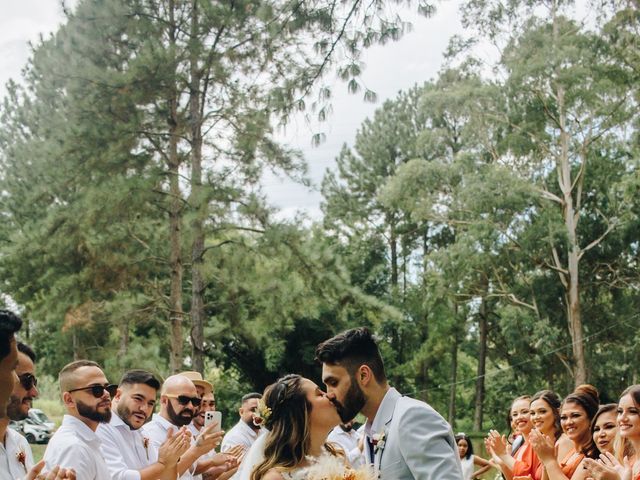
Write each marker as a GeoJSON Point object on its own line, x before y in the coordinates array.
{"type": "Point", "coordinates": [288, 440]}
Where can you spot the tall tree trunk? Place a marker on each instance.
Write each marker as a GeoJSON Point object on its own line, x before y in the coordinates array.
{"type": "Point", "coordinates": [75, 344]}
{"type": "Point", "coordinates": [571, 215]}
{"type": "Point", "coordinates": [124, 338]}
{"type": "Point", "coordinates": [175, 213]}
{"type": "Point", "coordinates": [393, 244]}
{"type": "Point", "coordinates": [482, 359]}
{"type": "Point", "coordinates": [198, 201]}
{"type": "Point", "coordinates": [454, 375]}
{"type": "Point", "coordinates": [423, 373]}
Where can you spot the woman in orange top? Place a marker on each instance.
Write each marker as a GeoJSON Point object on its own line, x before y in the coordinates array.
{"type": "Point", "coordinates": [576, 413]}
{"type": "Point", "coordinates": [628, 422]}
{"type": "Point", "coordinates": [524, 463]}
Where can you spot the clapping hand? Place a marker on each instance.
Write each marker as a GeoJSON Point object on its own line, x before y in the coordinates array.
{"type": "Point", "coordinates": [494, 457]}
{"type": "Point", "coordinates": [498, 443]}
{"type": "Point", "coordinates": [226, 459]}
{"type": "Point", "coordinates": [542, 445]}
{"type": "Point", "coordinates": [608, 468]}
{"type": "Point", "coordinates": [236, 452]}
{"type": "Point", "coordinates": [174, 447]}
{"type": "Point", "coordinates": [56, 474]}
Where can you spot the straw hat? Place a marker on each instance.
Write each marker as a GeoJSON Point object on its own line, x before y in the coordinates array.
{"type": "Point", "coordinates": [198, 381]}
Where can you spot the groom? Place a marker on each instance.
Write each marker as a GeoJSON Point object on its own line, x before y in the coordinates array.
{"type": "Point", "coordinates": [404, 438]}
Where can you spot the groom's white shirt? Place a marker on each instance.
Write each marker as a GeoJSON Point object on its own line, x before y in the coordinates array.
{"type": "Point", "coordinates": [418, 442]}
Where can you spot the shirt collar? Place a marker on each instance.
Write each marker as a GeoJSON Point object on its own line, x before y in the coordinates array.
{"type": "Point", "coordinates": [248, 429]}
{"type": "Point", "coordinates": [163, 422]}
{"type": "Point", "coordinates": [81, 428]}
{"type": "Point", "coordinates": [117, 422]}
{"type": "Point", "coordinates": [385, 411]}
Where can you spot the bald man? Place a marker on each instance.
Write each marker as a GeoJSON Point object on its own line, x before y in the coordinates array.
{"type": "Point", "coordinates": [86, 396]}
{"type": "Point", "coordinates": [179, 403]}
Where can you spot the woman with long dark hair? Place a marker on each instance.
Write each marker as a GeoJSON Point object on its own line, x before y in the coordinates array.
{"type": "Point", "coordinates": [298, 417]}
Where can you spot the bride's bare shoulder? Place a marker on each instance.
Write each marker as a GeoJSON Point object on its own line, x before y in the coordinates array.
{"type": "Point", "coordinates": [273, 474]}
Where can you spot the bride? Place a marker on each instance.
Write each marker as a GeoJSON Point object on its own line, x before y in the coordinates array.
{"type": "Point", "coordinates": [299, 418]}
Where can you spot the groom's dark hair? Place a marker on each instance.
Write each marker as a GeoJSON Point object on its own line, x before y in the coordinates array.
{"type": "Point", "coordinates": [351, 349]}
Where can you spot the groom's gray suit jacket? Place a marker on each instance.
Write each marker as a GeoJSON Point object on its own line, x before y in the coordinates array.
{"type": "Point", "coordinates": [418, 442]}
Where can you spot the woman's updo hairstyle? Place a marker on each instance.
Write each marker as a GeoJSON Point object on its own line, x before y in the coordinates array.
{"type": "Point", "coordinates": [587, 397]}
{"type": "Point", "coordinates": [553, 400]}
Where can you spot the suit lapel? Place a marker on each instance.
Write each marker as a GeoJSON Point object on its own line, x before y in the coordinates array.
{"type": "Point", "coordinates": [381, 423]}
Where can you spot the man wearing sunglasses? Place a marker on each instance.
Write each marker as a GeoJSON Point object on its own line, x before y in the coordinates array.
{"type": "Point", "coordinates": [86, 395]}
{"type": "Point", "coordinates": [179, 403]}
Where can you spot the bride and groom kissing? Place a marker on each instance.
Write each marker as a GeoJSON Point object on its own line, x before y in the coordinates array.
{"type": "Point", "coordinates": [404, 438]}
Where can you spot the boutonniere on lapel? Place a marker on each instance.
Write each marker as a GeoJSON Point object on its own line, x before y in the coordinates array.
{"type": "Point", "coordinates": [378, 441]}
{"type": "Point", "coordinates": [22, 459]}
{"type": "Point", "coordinates": [145, 444]}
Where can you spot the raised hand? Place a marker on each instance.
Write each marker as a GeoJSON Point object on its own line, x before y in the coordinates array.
{"type": "Point", "coordinates": [56, 474]}
{"type": "Point", "coordinates": [498, 442]}
{"type": "Point", "coordinates": [237, 451]}
{"type": "Point", "coordinates": [208, 438]}
{"type": "Point", "coordinates": [543, 445]}
{"type": "Point", "coordinates": [174, 447]}
{"type": "Point", "coordinates": [225, 459]}
{"type": "Point", "coordinates": [494, 457]}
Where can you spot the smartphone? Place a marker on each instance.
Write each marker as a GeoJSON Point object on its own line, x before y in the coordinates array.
{"type": "Point", "coordinates": [213, 417]}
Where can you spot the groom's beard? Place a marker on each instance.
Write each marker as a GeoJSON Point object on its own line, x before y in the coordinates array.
{"type": "Point", "coordinates": [353, 402]}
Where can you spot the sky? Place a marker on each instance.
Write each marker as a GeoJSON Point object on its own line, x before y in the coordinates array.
{"type": "Point", "coordinates": [395, 66]}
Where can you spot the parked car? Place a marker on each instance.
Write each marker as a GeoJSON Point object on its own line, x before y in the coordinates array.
{"type": "Point", "coordinates": [40, 417]}
{"type": "Point", "coordinates": [32, 431]}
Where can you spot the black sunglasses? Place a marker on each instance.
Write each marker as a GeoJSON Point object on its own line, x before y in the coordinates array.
{"type": "Point", "coordinates": [184, 399]}
{"type": "Point", "coordinates": [98, 390]}
{"type": "Point", "coordinates": [28, 381]}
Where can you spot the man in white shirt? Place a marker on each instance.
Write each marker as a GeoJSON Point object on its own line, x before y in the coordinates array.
{"type": "Point", "coordinates": [86, 395]}
{"type": "Point", "coordinates": [18, 384]}
{"type": "Point", "coordinates": [179, 402]}
{"type": "Point", "coordinates": [350, 441]}
{"type": "Point", "coordinates": [10, 324]}
{"type": "Point", "coordinates": [245, 432]}
{"type": "Point", "coordinates": [16, 457]}
{"type": "Point", "coordinates": [128, 454]}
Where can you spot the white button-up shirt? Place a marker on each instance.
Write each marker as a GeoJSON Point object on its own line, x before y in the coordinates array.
{"type": "Point", "coordinates": [124, 449]}
{"type": "Point", "coordinates": [240, 434]}
{"type": "Point", "coordinates": [75, 445]}
{"type": "Point", "coordinates": [13, 445]}
{"type": "Point", "coordinates": [156, 430]}
{"type": "Point", "coordinates": [348, 441]}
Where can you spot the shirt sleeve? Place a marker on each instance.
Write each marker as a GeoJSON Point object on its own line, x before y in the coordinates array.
{"type": "Point", "coordinates": [110, 450]}
{"type": "Point", "coordinates": [71, 456]}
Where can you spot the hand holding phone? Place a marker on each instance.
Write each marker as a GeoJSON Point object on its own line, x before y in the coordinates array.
{"type": "Point", "coordinates": [213, 417]}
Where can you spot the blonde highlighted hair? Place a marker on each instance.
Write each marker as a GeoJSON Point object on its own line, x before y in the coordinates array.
{"type": "Point", "coordinates": [288, 441]}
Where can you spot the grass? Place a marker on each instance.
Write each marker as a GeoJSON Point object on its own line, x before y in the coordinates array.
{"type": "Point", "coordinates": [38, 451]}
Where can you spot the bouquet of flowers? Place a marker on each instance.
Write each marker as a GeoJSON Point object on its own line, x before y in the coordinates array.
{"type": "Point", "coordinates": [330, 467]}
